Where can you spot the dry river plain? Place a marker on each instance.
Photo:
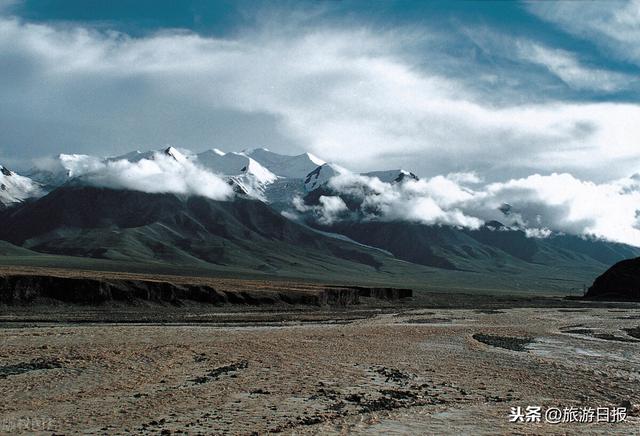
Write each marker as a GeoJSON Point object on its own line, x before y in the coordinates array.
{"type": "Point", "coordinates": [410, 371]}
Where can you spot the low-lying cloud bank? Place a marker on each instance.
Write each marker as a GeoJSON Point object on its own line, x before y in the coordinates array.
{"type": "Point", "coordinates": [160, 173]}
{"type": "Point", "coordinates": [539, 204]}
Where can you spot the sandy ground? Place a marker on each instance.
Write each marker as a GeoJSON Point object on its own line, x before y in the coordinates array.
{"type": "Point", "coordinates": [411, 372]}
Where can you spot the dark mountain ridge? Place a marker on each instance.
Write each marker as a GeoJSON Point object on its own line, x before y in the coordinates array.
{"type": "Point", "coordinates": [493, 247]}
{"type": "Point", "coordinates": [119, 224]}
{"type": "Point", "coordinates": [246, 236]}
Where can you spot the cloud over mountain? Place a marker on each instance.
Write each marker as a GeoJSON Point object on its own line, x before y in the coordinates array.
{"type": "Point", "coordinates": [159, 173]}
{"type": "Point", "coordinates": [350, 94]}
{"type": "Point", "coordinates": [504, 119]}
{"type": "Point", "coordinates": [539, 204]}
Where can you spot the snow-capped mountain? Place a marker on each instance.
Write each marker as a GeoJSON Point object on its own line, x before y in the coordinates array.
{"type": "Point", "coordinates": [392, 176]}
{"type": "Point", "coordinates": [234, 164]}
{"type": "Point", "coordinates": [58, 170]}
{"type": "Point", "coordinates": [133, 156]}
{"type": "Point", "coordinates": [258, 173]}
{"type": "Point", "coordinates": [299, 202]}
{"type": "Point", "coordinates": [295, 167]}
{"type": "Point", "coordinates": [137, 156]}
{"type": "Point", "coordinates": [244, 173]}
{"type": "Point", "coordinates": [176, 154]}
{"type": "Point", "coordinates": [321, 175]}
{"type": "Point", "coordinates": [15, 188]}
{"type": "Point", "coordinates": [48, 179]}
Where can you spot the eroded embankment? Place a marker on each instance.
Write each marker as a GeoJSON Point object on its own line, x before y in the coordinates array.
{"type": "Point", "coordinates": [20, 289]}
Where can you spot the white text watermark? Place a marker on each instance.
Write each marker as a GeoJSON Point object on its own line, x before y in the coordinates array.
{"type": "Point", "coordinates": [559, 415]}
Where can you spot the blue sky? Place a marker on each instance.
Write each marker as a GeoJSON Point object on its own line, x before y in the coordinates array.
{"type": "Point", "coordinates": [504, 89]}
{"type": "Point", "coordinates": [224, 17]}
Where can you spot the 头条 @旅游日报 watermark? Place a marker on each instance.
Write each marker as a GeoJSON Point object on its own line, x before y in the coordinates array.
{"type": "Point", "coordinates": [559, 415]}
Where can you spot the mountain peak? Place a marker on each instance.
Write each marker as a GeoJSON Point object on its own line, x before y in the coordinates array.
{"type": "Point", "coordinates": [174, 153]}
{"type": "Point", "coordinates": [393, 176]}
{"type": "Point", "coordinates": [506, 209]}
{"type": "Point", "coordinates": [495, 225]}
{"type": "Point", "coordinates": [249, 151]}
{"type": "Point", "coordinates": [316, 160]}
{"type": "Point", "coordinates": [244, 174]}
{"type": "Point", "coordinates": [297, 167]}
{"type": "Point", "coordinates": [15, 188]}
{"type": "Point", "coordinates": [321, 175]}
{"type": "Point", "coordinates": [405, 175]}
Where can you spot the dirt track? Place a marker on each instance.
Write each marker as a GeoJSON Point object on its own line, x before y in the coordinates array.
{"type": "Point", "coordinates": [416, 372]}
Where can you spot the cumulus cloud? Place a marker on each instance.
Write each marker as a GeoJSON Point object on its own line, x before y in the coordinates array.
{"type": "Point", "coordinates": [562, 202]}
{"type": "Point", "coordinates": [537, 204]}
{"type": "Point", "coordinates": [328, 210]}
{"type": "Point", "coordinates": [368, 198]}
{"type": "Point", "coordinates": [160, 173]}
{"type": "Point", "coordinates": [351, 95]}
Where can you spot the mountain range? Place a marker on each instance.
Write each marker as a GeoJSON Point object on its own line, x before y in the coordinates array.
{"type": "Point", "coordinates": [61, 216]}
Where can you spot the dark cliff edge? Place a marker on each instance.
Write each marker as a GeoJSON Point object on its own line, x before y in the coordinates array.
{"type": "Point", "coordinates": [21, 289]}
{"type": "Point", "coordinates": [621, 282]}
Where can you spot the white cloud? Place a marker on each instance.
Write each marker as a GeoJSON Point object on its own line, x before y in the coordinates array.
{"type": "Point", "coordinates": [612, 25]}
{"type": "Point", "coordinates": [328, 210]}
{"type": "Point", "coordinates": [465, 178]}
{"type": "Point", "coordinates": [562, 202]}
{"type": "Point", "coordinates": [347, 95]}
{"type": "Point", "coordinates": [332, 207]}
{"type": "Point", "coordinates": [566, 66]}
{"type": "Point", "coordinates": [159, 174]}
{"type": "Point", "coordinates": [426, 202]}
{"type": "Point", "coordinates": [538, 204]}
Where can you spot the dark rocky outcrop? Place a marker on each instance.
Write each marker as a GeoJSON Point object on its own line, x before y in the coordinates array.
{"type": "Point", "coordinates": [382, 293]}
{"type": "Point", "coordinates": [620, 282]}
{"type": "Point", "coordinates": [21, 289]}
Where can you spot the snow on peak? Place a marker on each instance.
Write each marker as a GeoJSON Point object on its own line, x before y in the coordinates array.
{"type": "Point", "coordinates": [392, 176]}
{"type": "Point", "coordinates": [245, 173]}
{"type": "Point", "coordinates": [261, 173]}
{"type": "Point", "coordinates": [75, 164]}
{"type": "Point", "coordinates": [174, 153]}
{"type": "Point", "coordinates": [295, 167]}
{"type": "Point", "coordinates": [134, 156]}
{"type": "Point", "coordinates": [321, 175]}
{"type": "Point", "coordinates": [249, 151]}
{"type": "Point", "coordinates": [15, 188]}
{"type": "Point", "coordinates": [316, 160]}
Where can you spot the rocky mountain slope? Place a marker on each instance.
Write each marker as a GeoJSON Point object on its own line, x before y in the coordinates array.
{"type": "Point", "coordinates": [130, 225]}
{"type": "Point", "coordinates": [490, 248]}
